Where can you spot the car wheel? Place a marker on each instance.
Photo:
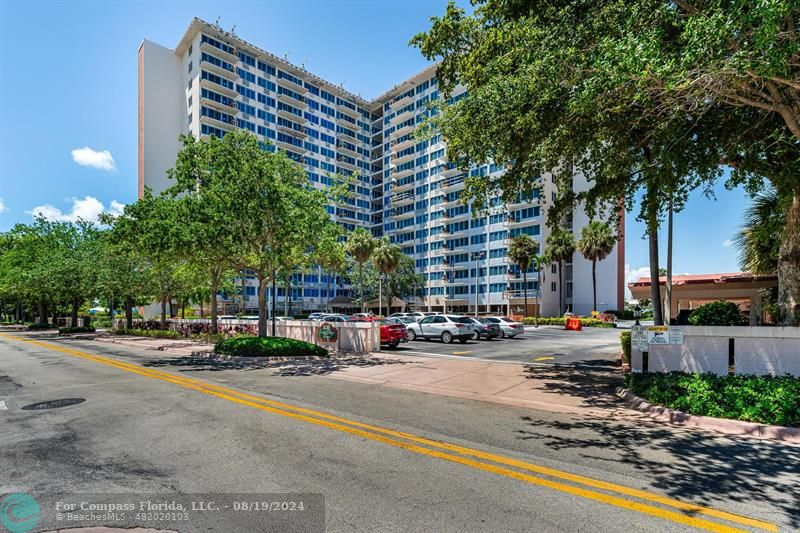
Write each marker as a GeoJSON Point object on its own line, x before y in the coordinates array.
{"type": "Point", "coordinates": [447, 337]}
{"type": "Point", "coordinates": [394, 344]}
{"type": "Point", "coordinates": [476, 336]}
{"type": "Point", "coordinates": [412, 335]}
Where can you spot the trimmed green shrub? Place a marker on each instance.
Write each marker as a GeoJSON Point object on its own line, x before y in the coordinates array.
{"type": "Point", "coordinates": [37, 325]}
{"type": "Point", "coordinates": [719, 313]}
{"type": "Point", "coordinates": [82, 329]}
{"type": "Point", "coordinates": [625, 341]}
{"type": "Point", "coordinates": [155, 333]}
{"type": "Point", "coordinates": [761, 399]}
{"type": "Point", "coordinates": [561, 321]}
{"type": "Point", "coordinates": [249, 346]}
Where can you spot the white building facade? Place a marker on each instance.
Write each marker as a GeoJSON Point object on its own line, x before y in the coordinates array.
{"type": "Point", "coordinates": [213, 82]}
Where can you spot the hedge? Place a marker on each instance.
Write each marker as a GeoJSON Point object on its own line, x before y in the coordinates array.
{"type": "Point", "coordinates": [249, 346]}
{"type": "Point", "coordinates": [625, 341]}
{"type": "Point", "coordinates": [719, 313]}
{"type": "Point", "coordinates": [155, 333]}
{"type": "Point", "coordinates": [81, 329]}
{"type": "Point", "coordinates": [761, 399]}
{"type": "Point", "coordinates": [37, 325]}
{"type": "Point", "coordinates": [561, 321]}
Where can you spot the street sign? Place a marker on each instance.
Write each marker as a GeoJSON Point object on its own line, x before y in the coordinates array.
{"type": "Point", "coordinates": [675, 335]}
{"type": "Point", "coordinates": [639, 339]}
{"type": "Point", "coordinates": [658, 335]}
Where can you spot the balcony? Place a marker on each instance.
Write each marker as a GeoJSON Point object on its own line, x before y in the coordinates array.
{"type": "Point", "coordinates": [404, 187]}
{"type": "Point", "coordinates": [451, 171]}
{"type": "Point", "coordinates": [340, 147]}
{"type": "Point", "coordinates": [455, 233]}
{"type": "Point", "coordinates": [210, 85]}
{"type": "Point", "coordinates": [401, 199]}
{"type": "Point", "coordinates": [299, 150]}
{"type": "Point", "coordinates": [348, 111]}
{"type": "Point", "coordinates": [219, 71]}
{"type": "Point", "coordinates": [513, 276]}
{"type": "Point", "coordinates": [450, 203]}
{"type": "Point", "coordinates": [291, 100]}
{"type": "Point", "coordinates": [401, 102]}
{"type": "Point", "coordinates": [400, 159]}
{"type": "Point", "coordinates": [403, 215]}
{"type": "Point", "coordinates": [342, 162]}
{"type": "Point", "coordinates": [289, 84]}
{"type": "Point", "coordinates": [399, 146]}
{"type": "Point", "coordinates": [348, 137]}
{"type": "Point", "coordinates": [400, 174]}
{"type": "Point", "coordinates": [451, 183]}
{"type": "Point", "coordinates": [222, 54]}
{"type": "Point", "coordinates": [299, 133]}
{"type": "Point", "coordinates": [513, 222]}
{"type": "Point", "coordinates": [226, 107]}
{"type": "Point", "coordinates": [402, 117]}
{"type": "Point", "coordinates": [218, 123]}
{"type": "Point", "coordinates": [402, 131]}
{"type": "Point", "coordinates": [347, 217]}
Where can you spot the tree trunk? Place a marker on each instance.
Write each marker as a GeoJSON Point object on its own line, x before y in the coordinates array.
{"type": "Point", "coordinates": [789, 266]}
{"type": "Point", "coordinates": [525, 289]}
{"type": "Point", "coordinates": [668, 286]}
{"type": "Point", "coordinates": [111, 308]}
{"type": "Point", "coordinates": [262, 307]}
{"type": "Point", "coordinates": [380, 294]}
{"type": "Point", "coordinates": [183, 309]}
{"type": "Point", "coordinates": [74, 314]}
{"type": "Point", "coordinates": [594, 285]}
{"type": "Point", "coordinates": [655, 282]}
{"type": "Point", "coordinates": [213, 302]}
{"type": "Point", "coordinates": [128, 312]}
{"type": "Point", "coordinates": [539, 292]}
{"type": "Point", "coordinates": [55, 315]}
{"type": "Point", "coordinates": [328, 294]}
{"type": "Point", "coordinates": [163, 312]}
{"type": "Point", "coordinates": [286, 296]}
{"type": "Point", "coordinates": [42, 311]}
{"type": "Point", "coordinates": [361, 284]}
{"type": "Point", "coordinates": [560, 291]}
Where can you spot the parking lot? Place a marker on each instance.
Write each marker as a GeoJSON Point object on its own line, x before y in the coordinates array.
{"type": "Point", "coordinates": [545, 345]}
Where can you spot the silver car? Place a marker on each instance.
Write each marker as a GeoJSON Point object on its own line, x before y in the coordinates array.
{"type": "Point", "coordinates": [509, 327]}
{"type": "Point", "coordinates": [444, 327]}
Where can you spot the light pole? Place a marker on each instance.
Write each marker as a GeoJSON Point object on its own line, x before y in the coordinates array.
{"type": "Point", "coordinates": [477, 256]}
{"type": "Point", "coordinates": [637, 313]}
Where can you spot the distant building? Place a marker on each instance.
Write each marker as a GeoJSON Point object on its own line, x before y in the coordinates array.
{"type": "Point", "coordinates": [691, 291]}
{"type": "Point", "coordinates": [214, 82]}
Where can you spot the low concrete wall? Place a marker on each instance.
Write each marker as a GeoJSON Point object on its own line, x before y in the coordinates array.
{"type": "Point", "coordinates": [755, 350]}
{"type": "Point", "coordinates": [353, 337]}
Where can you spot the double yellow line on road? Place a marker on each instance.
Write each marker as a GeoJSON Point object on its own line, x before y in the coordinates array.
{"type": "Point", "coordinates": [684, 513]}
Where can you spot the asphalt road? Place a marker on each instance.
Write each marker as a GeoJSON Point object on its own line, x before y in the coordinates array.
{"type": "Point", "coordinates": [543, 345]}
{"type": "Point", "coordinates": [384, 459]}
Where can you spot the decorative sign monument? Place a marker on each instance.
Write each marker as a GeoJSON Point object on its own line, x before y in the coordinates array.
{"type": "Point", "coordinates": [327, 333]}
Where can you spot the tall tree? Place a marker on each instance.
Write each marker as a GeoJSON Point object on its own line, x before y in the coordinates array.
{"type": "Point", "coordinates": [386, 257]}
{"type": "Point", "coordinates": [330, 257]}
{"type": "Point", "coordinates": [360, 245]}
{"type": "Point", "coordinates": [560, 247]}
{"type": "Point", "coordinates": [522, 251]}
{"type": "Point", "coordinates": [596, 242]}
{"type": "Point", "coordinates": [541, 261]}
{"type": "Point", "coordinates": [404, 282]}
{"type": "Point", "coordinates": [759, 237]}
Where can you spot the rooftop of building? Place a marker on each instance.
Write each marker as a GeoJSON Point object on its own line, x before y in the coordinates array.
{"type": "Point", "coordinates": [690, 279]}
{"type": "Point", "coordinates": [197, 25]}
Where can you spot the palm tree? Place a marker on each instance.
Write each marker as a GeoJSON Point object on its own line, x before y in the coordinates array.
{"type": "Point", "coordinates": [540, 261]}
{"type": "Point", "coordinates": [560, 247]}
{"type": "Point", "coordinates": [759, 237]}
{"type": "Point", "coordinates": [386, 257]}
{"type": "Point", "coordinates": [596, 242]}
{"type": "Point", "coordinates": [522, 251]}
{"type": "Point", "coordinates": [360, 246]}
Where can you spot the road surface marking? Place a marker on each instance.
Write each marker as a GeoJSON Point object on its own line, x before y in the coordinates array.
{"type": "Point", "coordinates": [376, 433]}
{"type": "Point", "coordinates": [544, 358]}
{"type": "Point", "coordinates": [3, 405]}
{"type": "Point", "coordinates": [460, 353]}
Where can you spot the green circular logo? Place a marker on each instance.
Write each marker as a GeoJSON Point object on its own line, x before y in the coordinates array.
{"type": "Point", "coordinates": [19, 512]}
{"type": "Point", "coordinates": [327, 333]}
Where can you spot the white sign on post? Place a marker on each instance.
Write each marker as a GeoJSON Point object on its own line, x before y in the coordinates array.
{"type": "Point", "coordinates": [639, 338]}
{"type": "Point", "coordinates": [657, 335]}
{"type": "Point", "coordinates": [675, 335]}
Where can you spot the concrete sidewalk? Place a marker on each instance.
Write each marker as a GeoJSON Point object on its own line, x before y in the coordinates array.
{"type": "Point", "coordinates": [172, 346]}
{"type": "Point", "coordinates": [551, 388]}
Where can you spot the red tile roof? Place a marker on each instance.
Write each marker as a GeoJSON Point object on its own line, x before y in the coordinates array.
{"type": "Point", "coordinates": [688, 279]}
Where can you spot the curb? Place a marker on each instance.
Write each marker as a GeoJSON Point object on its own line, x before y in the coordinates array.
{"type": "Point", "coordinates": [722, 425]}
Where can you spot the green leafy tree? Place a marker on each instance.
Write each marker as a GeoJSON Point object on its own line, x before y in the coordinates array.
{"type": "Point", "coordinates": [522, 251]}
{"type": "Point", "coordinates": [759, 237]}
{"type": "Point", "coordinates": [560, 246]}
{"type": "Point", "coordinates": [404, 282]}
{"type": "Point", "coordinates": [122, 271]}
{"type": "Point", "coordinates": [540, 261]}
{"type": "Point", "coordinates": [330, 257]}
{"type": "Point", "coordinates": [386, 257]}
{"type": "Point", "coordinates": [719, 313]}
{"type": "Point", "coordinates": [596, 243]}
{"type": "Point", "coordinates": [360, 245]}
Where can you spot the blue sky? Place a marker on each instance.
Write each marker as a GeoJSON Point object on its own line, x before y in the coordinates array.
{"type": "Point", "coordinates": [68, 98]}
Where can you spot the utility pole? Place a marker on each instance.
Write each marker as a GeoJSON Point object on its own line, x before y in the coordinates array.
{"type": "Point", "coordinates": [476, 256]}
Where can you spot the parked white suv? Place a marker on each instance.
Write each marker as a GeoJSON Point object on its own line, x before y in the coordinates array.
{"type": "Point", "coordinates": [444, 327]}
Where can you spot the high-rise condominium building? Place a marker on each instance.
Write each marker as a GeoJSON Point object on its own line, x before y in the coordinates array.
{"type": "Point", "coordinates": [214, 82]}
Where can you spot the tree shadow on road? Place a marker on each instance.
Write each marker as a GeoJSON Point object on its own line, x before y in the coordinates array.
{"type": "Point", "coordinates": [291, 367]}
{"type": "Point", "coordinates": [689, 465]}
{"type": "Point", "coordinates": [594, 381]}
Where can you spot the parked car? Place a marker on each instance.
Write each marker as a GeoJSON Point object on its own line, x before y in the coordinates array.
{"type": "Point", "coordinates": [483, 329]}
{"type": "Point", "coordinates": [392, 333]}
{"type": "Point", "coordinates": [363, 315]}
{"type": "Point", "coordinates": [336, 318]}
{"type": "Point", "coordinates": [397, 315]}
{"type": "Point", "coordinates": [508, 326]}
{"type": "Point", "coordinates": [404, 320]}
{"type": "Point", "coordinates": [316, 316]}
{"type": "Point", "coordinates": [444, 327]}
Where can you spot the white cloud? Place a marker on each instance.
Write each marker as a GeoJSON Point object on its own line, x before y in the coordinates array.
{"type": "Point", "coordinates": [3, 207]}
{"type": "Point", "coordinates": [728, 243]}
{"type": "Point", "coordinates": [101, 160]}
{"type": "Point", "coordinates": [87, 208]}
{"type": "Point", "coordinates": [632, 275]}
